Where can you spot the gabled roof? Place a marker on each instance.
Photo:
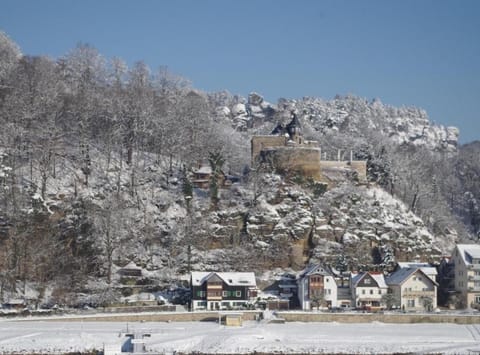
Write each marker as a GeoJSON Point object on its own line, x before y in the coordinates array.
{"type": "Point", "coordinates": [377, 277]}
{"type": "Point", "coordinates": [131, 266]}
{"type": "Point", "coordinates": [294, 123]}
{"type": "Point", "coordinates": [403, 274]}
{"type": "Point", "coordinates": [315, 269]}
{"type": "Point", "coordinates": [469, 252]}
{"type": "Point", "coordinates": [204, 169]}
{"type": "Point", "coordinates": [230, 278]}
{"type": "Point", "coordinates": [425, 267]}
{"type": "Point", "coordinates": [278, 130]}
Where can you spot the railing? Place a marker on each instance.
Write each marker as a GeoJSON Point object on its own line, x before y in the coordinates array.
{"type": "Point", "coordinates": [473, 277]}
{"type": "Point", "coordinates": [418, 293]}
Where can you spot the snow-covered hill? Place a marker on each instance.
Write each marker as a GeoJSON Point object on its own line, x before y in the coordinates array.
{"type": "Point", "coordinates": [350, 115]}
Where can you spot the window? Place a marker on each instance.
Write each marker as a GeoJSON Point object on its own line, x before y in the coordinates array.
{"type": "Point", "coordinates": [225, 294]}
{"type": "Point", "coordinates": [371, 292]}
{"type": "Point", "coordinates": [363, 292]}
{"type": "Point", "coordinates": [200, 293]}
{"type": "Point", "coordinates": [238, 293]}
{"type": "Point", "coordinates": [410, 303]}
{"type": "Point", "coordinates": [214, 294]}
{"type": "Point", "coordinates": [367, 281]}
{"type": "Point", "coordinates": [379, 292]}
{"type": "Point", "coordinates": [477, 299]}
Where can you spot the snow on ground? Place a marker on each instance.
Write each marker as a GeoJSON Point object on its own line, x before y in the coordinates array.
{"type": "Point", "coordinates": [295, 337]}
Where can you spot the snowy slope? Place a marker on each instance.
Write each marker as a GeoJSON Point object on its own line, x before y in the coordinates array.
{"type": "Point", "coordinates": [206, 337]}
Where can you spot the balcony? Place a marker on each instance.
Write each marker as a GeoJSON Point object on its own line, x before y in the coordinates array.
{"type": "Point", "coordinates": [418, 293]}
{"type": "Point", "coordinates": [474, 266]}
{"type": "Point", "coordinates": [473, 277]}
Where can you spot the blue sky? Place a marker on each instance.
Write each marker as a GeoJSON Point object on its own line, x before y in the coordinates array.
{"type": "Point", "coordinates": [411, 52]}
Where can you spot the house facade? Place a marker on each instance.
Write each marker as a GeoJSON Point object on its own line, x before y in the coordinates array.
{"type": "Point", "coordinates": [428, 269]}
{"type": "Point", "coordinates": [317, 288]}
{"type": "Point", "coordinates": [466, 272]}
{"type": "Point", "coordinates": [413, 289]}
{"type": "Point", "coordinates": [203, 174]}
{"type": "Point", "coordinates": [368, 289]}
{"type": "Point", "coordinates": [222, 290]}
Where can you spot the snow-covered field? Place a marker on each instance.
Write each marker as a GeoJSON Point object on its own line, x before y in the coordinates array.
{"type": "Point", "coordinates": [209, 337]}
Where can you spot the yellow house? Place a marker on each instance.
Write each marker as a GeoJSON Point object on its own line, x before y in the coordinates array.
{"type": "Point", "coordinates": [413, 289]}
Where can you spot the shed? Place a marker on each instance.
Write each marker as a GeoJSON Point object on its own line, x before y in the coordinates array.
{"type": "Point", "coordinates": [230, 319]}
{"type": "Point", "coordinates": [130, 270]}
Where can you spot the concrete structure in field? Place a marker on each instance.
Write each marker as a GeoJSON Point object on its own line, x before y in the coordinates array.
{"type": "Point", "coordinates": [466, 265]}
{"type": "Point", "coordinates": [286, 151]}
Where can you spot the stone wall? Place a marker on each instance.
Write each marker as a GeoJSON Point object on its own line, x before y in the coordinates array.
{"type": "Point", "coordinates": [291, 160]}
{"type": "Point", "coordinates": [262, 142]}
{"type": "Point", "coordinates": [360, 166]}
{"type": "Point", "coordinates": [288, 316]}
{"type": "Point", "coordinates": [304, 159]}
{"type": "Point", "coordinates": [154, 317]}
{"type": "Point", "coordinates": [378, 317]}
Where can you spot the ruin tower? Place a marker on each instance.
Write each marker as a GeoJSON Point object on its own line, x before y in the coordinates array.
{"type": "Point", "coordinates": [295, 130]}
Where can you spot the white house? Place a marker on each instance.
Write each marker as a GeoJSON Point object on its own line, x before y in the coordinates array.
{"type": "Point", "coordinates": [429, 270]}
{"type": "Point", "coordinates": [466, 264]}
{"type": "Point", "coordinates": [413, 289]}
{"type": "Point", "coordinates": [317, 287]}
{"type": "Point", "coordinates": [368, 289]}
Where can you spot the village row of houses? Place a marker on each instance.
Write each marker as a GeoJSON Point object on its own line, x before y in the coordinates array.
{"type": "Point", "coordinates": [411, 287]}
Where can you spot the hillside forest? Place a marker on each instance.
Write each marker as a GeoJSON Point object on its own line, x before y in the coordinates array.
{"type": "Point", "coordinates": [96, 166]}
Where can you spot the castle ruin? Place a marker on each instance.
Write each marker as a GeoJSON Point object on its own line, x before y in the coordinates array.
{"type": "Point", "coordinates": [286, 150]}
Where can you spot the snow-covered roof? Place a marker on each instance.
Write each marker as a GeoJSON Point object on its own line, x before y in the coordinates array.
{"type": "Point", "coordinates": [403, 274]}
{"type": "Point", "coordinates": [204, 169]}
{"type": "Point", "coordinates": [131, 266]}
{"type": "Point", "coordinates": [469, 252]}
{"type": "Point", "coordinates": [230, 278]}
{"type": "Point", "coordinates": [378, 277]}
{"type": "Point", "coordinates": [315, 269]}
{"type": "Point", "coordinates": [425, 267]}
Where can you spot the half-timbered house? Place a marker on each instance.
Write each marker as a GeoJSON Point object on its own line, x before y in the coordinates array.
{"type": "Point", "coordinates": [317, 288]}
{"type": "Point", "coordinates": [222, 290]}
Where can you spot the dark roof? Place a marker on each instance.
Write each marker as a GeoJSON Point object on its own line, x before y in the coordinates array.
{"type": "Point", "coordinates": [289, 128]}
{"type": "Point", "coordinates": [315, 269]}
{"type": "Point", "coordinates": [294, 123]}
{"type": "Point", "coordinates": [279, 129]}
